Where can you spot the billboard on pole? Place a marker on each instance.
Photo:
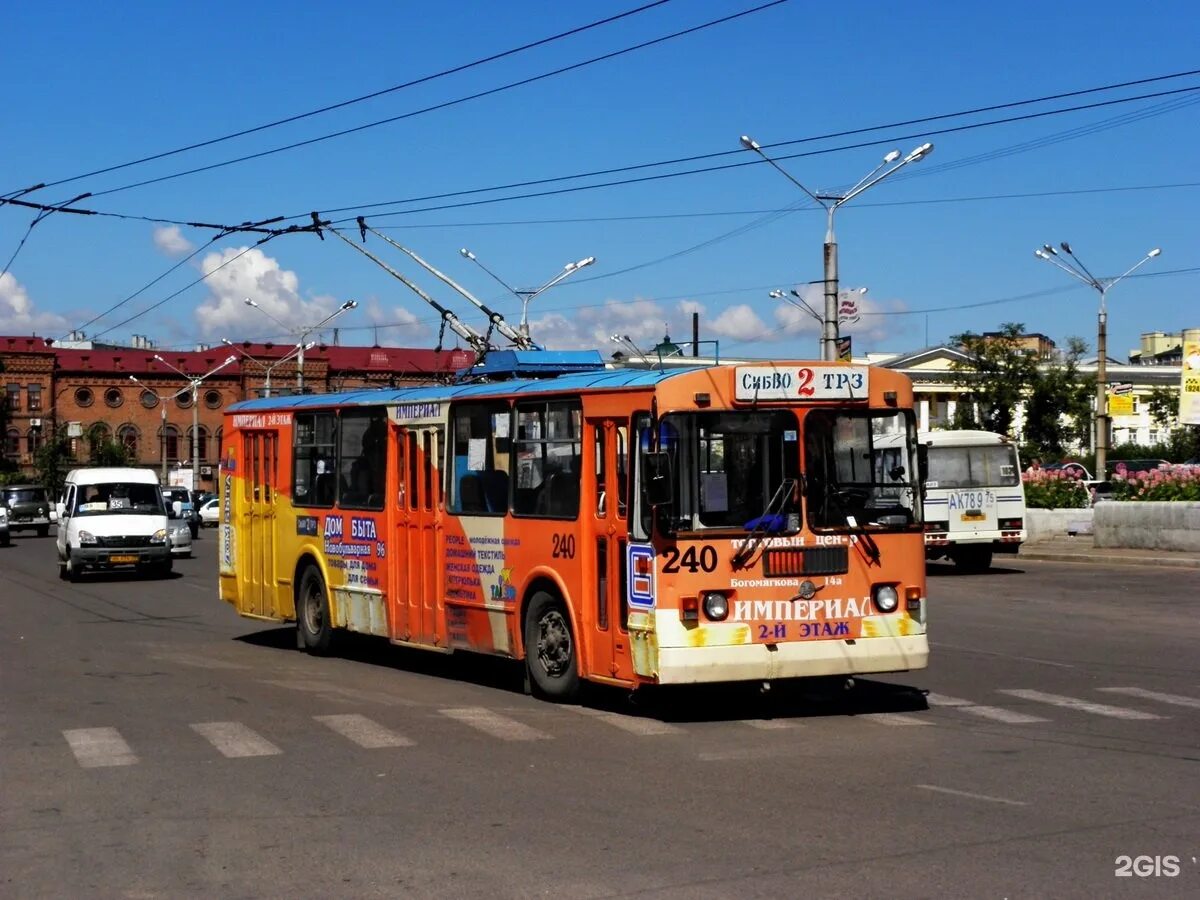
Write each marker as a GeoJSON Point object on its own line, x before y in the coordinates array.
{"type": "Point", "coordinates": [1189, 385]}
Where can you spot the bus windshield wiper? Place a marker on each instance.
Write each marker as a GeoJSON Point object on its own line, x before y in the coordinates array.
{"type": "Point", "coordinates": [772, 520]}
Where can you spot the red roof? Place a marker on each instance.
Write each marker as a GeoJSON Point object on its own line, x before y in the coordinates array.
{"type": "Point", "coordinates": [402, 360]}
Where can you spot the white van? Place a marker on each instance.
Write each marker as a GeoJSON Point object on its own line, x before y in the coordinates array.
{"type": "Point", "coordinates": [974, 497]}
{"type": "Point", "coordinates": [112, 518]}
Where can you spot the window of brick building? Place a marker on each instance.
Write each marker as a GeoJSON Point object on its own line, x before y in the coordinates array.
{"type": "Point", "coordinates": [14, 397]}
{"type": "Point", "coordinates": [12, 443]}
{"type": "Point", "coordinates": [128, 436]}
{"type": "Point", "coordinates": [34, 392]}
{"type": "Point", "coordinates": [84, 396]}
{"type": "Point", "coordinates": [212, 399]}
{"type": "Point", "coordinates": [149, 399]}
{"type": "Point", "coordinates": [113, 397]}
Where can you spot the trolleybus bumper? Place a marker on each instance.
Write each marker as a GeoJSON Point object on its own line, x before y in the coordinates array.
{"type": "Point", "coordinates": [798, 659]}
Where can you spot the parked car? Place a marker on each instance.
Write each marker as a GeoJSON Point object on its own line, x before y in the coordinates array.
{"type": "Point", "coordinates": [28, 508]}
{"type": "Point", "coordinates": [4, 536]}
{"type": "Point", "coordinates": [1074, 469]}
{"type": "Point", "coordinates": [179, 532]}
{"type": "Point", "coordinates": [210, 512]}
{"type": "Point", "coordinates": [184, 497]}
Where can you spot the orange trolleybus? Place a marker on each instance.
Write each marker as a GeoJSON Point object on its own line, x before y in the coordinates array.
{"type": "Point", "coordinates": [624, 526]}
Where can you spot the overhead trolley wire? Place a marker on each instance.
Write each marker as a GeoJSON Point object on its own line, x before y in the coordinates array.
{"type": "Point", "coordinates": [448, 103]}
{"type": "Point", "coordinates": [424, 79]}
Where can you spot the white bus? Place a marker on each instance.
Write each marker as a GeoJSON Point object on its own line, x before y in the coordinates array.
{"type": "Point", "coordinates": [974, 497]}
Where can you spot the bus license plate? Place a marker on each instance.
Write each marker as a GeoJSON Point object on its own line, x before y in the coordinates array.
{"type": "Point", "coordinates": [973, 516]}
{"type": "Point", "coordinates": [972, 502]}
{"type": "Point", "coordinates": [123, 558]}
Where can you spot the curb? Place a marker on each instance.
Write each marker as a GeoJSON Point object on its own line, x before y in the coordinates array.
{"type": "Point", "coordinates": [1162, 561]}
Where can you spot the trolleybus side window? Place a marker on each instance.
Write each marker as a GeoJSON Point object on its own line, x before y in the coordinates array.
{"type": "Point", "coordinates": [548, 459]}
{"type": "Point", "coordinates": [362, 458]}
{"type": "Point", "coordinates": [314, 459]}
{"type": "Point", "coordinates": [480, 448]}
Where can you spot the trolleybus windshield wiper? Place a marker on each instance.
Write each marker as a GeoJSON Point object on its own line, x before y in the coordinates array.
{"type": "Point", "coordinates": [772, 520]}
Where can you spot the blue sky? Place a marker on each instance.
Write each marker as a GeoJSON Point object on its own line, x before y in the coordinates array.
{"type": "Point", "coordinates": [84, 88]}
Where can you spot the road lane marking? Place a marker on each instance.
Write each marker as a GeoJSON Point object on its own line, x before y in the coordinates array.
{"type": "Point", "coordinates": [493, 723]}
{"type": "Point", "coordinates": [632, 724]}
{"type": "Point", "coordinates": [970, 796]}
{"type": "Point", "coordinates": [1098, 709]}
{"type": "Point", "coordinates": [235, 740]}
{"type": "Point", "coordinates": [1173, 699]}
{"type": "Point", "coordinates": [892, 719]}
{"type": "Point", "coordinates": [363, 731]}
{"type": "Point", "coordinates": [96, 748]}
{"type": "Point", "coordinates": [993, 713]}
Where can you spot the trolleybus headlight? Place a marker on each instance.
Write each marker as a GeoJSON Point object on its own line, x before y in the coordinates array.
{"type": "Point", "coordinates": [886, 598]}
{"type": "Point", "coordinates": [716, 606]}
{"type": "Point", "coordinates": [86, 537]}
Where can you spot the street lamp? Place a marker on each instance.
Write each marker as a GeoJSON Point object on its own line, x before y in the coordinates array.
{"type": "Point", "coordinates": [298, 350]}
{"type": "Point", "coordinates": [831, 204]}
{"type": "Point", "coordinates": [194, 384]}
{"type": "Point", "coordinates": [797, 300]}
{"type": "Point", "coordinates": [1076, 269]}
{"type": "Point", "coordinates": [303, 332]}
{"type": "Point", "coordinates": [163, 400]}
{"type": "Point", "coordinates": [525, 296]}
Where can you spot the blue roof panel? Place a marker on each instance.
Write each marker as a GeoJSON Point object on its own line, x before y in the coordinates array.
{"type": "Point", "coordinates": [611, 379]}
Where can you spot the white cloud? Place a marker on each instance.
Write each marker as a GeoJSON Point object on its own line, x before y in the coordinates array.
{"type": "Point", "coordinates": [394, 326]}
{"type": "Point", "coordinates": [740, 322]}
{"type": "Point", "coordinates": [643, 320]}
{"type": "Point", "coordinates": [170, 240]}
{"type": "Point", "coordinates": [18, 314]}
{"type": "Point", "coordinates": [276, 290]}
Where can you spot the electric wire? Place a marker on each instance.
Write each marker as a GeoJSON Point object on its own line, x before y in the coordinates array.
{"type": "Point", "coordinates": [379, 93]}
{"type": "Point", "coordinates": [447, 103]}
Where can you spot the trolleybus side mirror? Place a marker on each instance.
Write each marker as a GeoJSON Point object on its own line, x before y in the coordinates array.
{"type": "Point", "coordinates": [656, 470]}
{"type": "Point", "coordinates": [923, 462]}
{"type": "Point", "coordinates": [176, 509]}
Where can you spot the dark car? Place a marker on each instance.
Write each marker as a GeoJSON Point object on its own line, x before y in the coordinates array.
{"type": "Point", "coordinates": [28, 508]}
{"type": "Point", "coordinates": [190, 512]}
{"type": "Point", "coordinates": [1140, 465]}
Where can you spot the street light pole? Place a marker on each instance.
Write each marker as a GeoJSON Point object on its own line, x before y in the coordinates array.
{"type": "Point", "coordinates": [831, 203]}
{"type": "Point", "coordinates": [1076, 269]}
{"type": "Point", "coordinates": [303, 332]}
{"type": "Point", "coordinates": [162, 428]}
{"type": "Point", "coordinates": [195, 388]}
{"type": "Point", "coordinates": [526, 296]}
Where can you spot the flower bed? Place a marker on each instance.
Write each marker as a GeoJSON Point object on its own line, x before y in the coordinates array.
{"type": "Point", "coordinates": [1176, 482]}
{"type": "Point", "coordinates": [1054, 490]}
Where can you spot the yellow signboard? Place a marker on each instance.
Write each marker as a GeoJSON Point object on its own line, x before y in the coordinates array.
{"type": "Point", "coordinates": [1120, 404]}
{"type": "Point", "coordinates": [1189, 386]}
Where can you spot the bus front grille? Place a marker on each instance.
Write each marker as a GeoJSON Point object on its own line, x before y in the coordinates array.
{"type": "Point", "coordinates": [785, 562]}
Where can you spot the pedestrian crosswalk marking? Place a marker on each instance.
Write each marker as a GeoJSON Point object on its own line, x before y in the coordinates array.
{"type": "Point", "coordinates": [1099, 709]}
{"type": "Point", "coordinates": [892, 719]}
{"type": "Point", "coordinates": [235, 740]}
{"type": "Point", "coordinates": [96, 748]}
{"type": "Point", "coordinates": [993, 713]}
{"type": "Point", "coordinates": [631, 724]}
{"type": "Point", "coordinates": [493, 723]}
{"type": "Point", "coordinates": [363, 731]}
{"type": "Point", "coordinates": [1173, 699]}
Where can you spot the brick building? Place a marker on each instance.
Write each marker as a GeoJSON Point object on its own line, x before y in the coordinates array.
{"type": "Point", "coordinates": [92, 394]}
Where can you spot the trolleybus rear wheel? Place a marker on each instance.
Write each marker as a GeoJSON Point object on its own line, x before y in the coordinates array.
{"type": "Point", "coordinates": [550, 650]}
{"type": "Point", "coordinates": [312, 613]}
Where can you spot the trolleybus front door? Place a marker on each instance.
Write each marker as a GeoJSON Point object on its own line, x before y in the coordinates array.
{"type": "Point", "coordinates": [610, 610]}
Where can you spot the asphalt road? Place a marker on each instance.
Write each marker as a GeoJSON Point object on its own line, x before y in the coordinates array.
{"type": "Point", "coordinates": [153, 744]}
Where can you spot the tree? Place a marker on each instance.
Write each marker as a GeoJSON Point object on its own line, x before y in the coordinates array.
{"type": "Point", "coordinates": [1058, 409]}
{"type": "Point", "coordinates": [998, 375]}
{"type": "Point", "coordinates": [1163, 404]}
{"type": "Point", "coordinates": [104, 450]}
{"type": "Point", "coordinates": [53, 460]}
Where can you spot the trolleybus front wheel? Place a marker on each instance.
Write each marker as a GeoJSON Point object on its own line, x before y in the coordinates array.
{"type": "Point", "coordinates": [550, 651]}
{"type": "Point", "coordinates": [312, 613]}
